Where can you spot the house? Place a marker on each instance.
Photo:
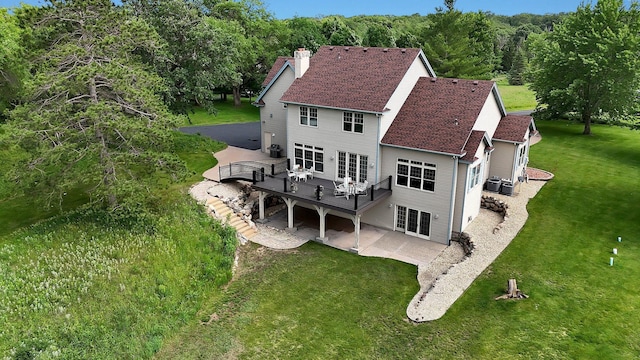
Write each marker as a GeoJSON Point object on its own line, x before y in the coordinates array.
{"type": "Point", "coordinates": [382, 116]}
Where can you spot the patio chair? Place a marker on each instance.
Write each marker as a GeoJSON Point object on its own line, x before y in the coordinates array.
{"type": "Point", "coordinates": [361, 188]}
{"type": "Point", "coordinates": [310, 172]}
{"type": "Point", "coordinates": [339, 190]}
{"type": "Point", "coordinates": [291, 174]}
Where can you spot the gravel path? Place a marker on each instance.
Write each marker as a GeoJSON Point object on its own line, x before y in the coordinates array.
{"type": "Point", "coordinates": [434, 298]}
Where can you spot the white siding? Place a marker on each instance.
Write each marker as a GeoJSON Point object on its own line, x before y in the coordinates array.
{"type": "Point", "coordinates": [521, 167]}
{"type": "Point", "coordinates": [330, 136]}
{"type": "Point", "coordinates": [437, 202]}
{"type": "Point", "coordinates": [489, 117]}
{"type": "Point", "coordinates": [415, 72]}
{"type": "Point", "coordinates": [467, 204]}
{"type": "Point", "coordinates": [502, 160]}
{"type": "Point", "coordinates": [273, 116]}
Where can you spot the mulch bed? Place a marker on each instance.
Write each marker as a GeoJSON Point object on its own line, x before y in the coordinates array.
{"type": "Point", "coordinates": [537, 174]}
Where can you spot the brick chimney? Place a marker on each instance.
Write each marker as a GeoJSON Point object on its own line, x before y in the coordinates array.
{"type": "Point", "coordinates": [302, 61]}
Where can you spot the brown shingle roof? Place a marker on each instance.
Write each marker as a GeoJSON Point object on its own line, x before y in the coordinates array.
{"type": "Point", "coordinates": [439, 115]}
{"type": "Point", "coordinates": [473, 143]}
{"type": "Point", "coordinates": [351, 77]}
{"type": "Point", "coordinates": [513, 128]}
{"type": "Point", "coordinates": [280, 61]}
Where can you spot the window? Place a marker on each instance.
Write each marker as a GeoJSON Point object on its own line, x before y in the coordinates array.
{"type": "Point", "coordinates": [353, 166]}
{"type": "Point", "coordinates": [475, 174]}
{"type": "Point", "coordinates": [308, 156]}
{"type": "Point", "coordinates": [353, 122]}
{"type": "Point", "coordinates": [308, 116]}
{"type": "Point", "coordinates": [522, 155]}
{"type": "Point", "coordinates": [416, 174]}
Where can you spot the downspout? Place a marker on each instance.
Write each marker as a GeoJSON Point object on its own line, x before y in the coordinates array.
{"type": "Point", "coordinates": [286, 132]}
{"type": "Point", "coordinates": [515, 164]}
{"type": "Point", "coordinates": [464, 197]}
{"type": "Point", "coordinates": [377, 151]}
{"type": "Point", "coordinates": [454, 180]}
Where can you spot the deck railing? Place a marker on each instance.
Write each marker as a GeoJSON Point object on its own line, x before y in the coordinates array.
{"type": "Point", "coordinates": [371, 193]}
{"type": "Point", "coordinates": [245, 170]}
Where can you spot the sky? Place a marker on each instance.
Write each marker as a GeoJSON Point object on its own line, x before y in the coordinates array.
{"type": "Point", "coordinates": [284, 9]}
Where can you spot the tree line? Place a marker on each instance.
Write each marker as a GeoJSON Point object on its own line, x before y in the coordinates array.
{"type": "Point", "coordinates": [90, 91]}
{"type": "Point", "coordinates": [208, 47]}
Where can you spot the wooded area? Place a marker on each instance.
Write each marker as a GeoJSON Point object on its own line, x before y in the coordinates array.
{"type": "Point", "coordinates": [98, 87]}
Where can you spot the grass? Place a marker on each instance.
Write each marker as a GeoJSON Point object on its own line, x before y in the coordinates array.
{"type": "Point", "coordinates": [320, 303]}
{"type": "Point", "coordinates": [74, 287]}
{"type": "Point", "coordinates": [227, 113]}
{"type": "Point", "coordinates": [516, 97]}
{"type": "Point", "coordinates": [82, 285]}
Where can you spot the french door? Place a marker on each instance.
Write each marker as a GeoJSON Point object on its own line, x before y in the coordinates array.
{"type": "Point", "coordinates": [413, 222]}
{"type": "Point", "coordinates": [353, 166]}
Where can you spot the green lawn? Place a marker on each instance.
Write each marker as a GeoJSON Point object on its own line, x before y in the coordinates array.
{"type": "Point", "coordinates": [516, 98]}
{"type": "Point", "coordinates": [321, 303]}
{"type": "Point", "coordinates": [227, 113]}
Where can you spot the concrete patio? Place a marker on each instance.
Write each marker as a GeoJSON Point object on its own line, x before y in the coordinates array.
{"type": "Point", "coordinates": [374, 241]}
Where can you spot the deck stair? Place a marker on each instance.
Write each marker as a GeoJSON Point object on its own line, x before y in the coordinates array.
{"type": "Point", "coordinates": [228, 216]}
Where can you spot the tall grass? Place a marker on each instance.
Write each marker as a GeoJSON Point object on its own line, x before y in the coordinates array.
{"type": "Point", "coordinates": [80, 287]}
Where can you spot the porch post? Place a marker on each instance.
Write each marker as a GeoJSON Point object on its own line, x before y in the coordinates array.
{"type": "Point", "coordinates": [356, 223]}
{"type": "Point", "coordinates": [290, 204]}
{"type": "Point", "coordinates": [322, 212]}
{"type": "Point", "coordinates": [261, 196]}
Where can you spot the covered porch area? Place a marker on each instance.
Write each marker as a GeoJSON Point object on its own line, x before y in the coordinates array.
{"type": "Point", "coordinates": [374, 241]}
{"type": "Point", "coordinates": [317, 197]}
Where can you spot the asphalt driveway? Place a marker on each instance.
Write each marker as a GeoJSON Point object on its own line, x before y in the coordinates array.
{"type": "Point", "coordinates": [242, 135]}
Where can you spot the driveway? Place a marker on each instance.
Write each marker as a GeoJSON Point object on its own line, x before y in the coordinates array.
{"type": "Point", "coordinates": [242, 135]}
{"type": "Point", "coordinates": [521, 112]}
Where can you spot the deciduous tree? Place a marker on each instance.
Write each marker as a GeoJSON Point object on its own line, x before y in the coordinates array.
{"type": "Point", "coordinates": [589, 63]}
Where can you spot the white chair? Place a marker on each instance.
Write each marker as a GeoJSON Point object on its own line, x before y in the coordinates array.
{"type": "Point", "coordinates": [339, 190]}
{"type": "Point", "coordinates": [361, 188]}
{"type": "Point", "coordinates": [310, 172]}
{"type": "Point", "coordinates": [301, 175]}
{"type": "Point", "coordinates": [291, 174]}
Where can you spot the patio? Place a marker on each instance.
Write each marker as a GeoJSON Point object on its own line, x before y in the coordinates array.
{"type": "Point", "coordinates": [374, 241]}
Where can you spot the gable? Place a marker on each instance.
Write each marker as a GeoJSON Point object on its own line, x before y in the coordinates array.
{"type": "Point", "coordinates": [356, 78]}
{"type": "Point", "coordinates": [280, 62]}
{"type": "Point", "coordinates": [439, 115]}
{"type": "Point", "coordinates": [513, 128]}
{"type": "Point", "coordinates": [473, 144]}
{"type": "Point", "coordinates": [281, 65]}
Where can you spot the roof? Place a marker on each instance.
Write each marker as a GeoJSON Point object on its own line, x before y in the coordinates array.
{"type": "Point", "coordinates": [280, 62]}
{"type": "Point", "coordinates": [513, 128]}
{"type": "Point", "coordinates": [472, 145]}
{"type": "Point", "coordinates": [439, 115]}
{"type": "Point", "coordinates": [356, 78]}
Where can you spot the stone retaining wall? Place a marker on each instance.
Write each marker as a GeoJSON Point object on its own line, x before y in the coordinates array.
{"type": "Point", "coordinates": [495, 205]}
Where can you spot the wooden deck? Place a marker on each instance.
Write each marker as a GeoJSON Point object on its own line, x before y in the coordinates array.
{"type": "Point", "coordinates": [354, 205]}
